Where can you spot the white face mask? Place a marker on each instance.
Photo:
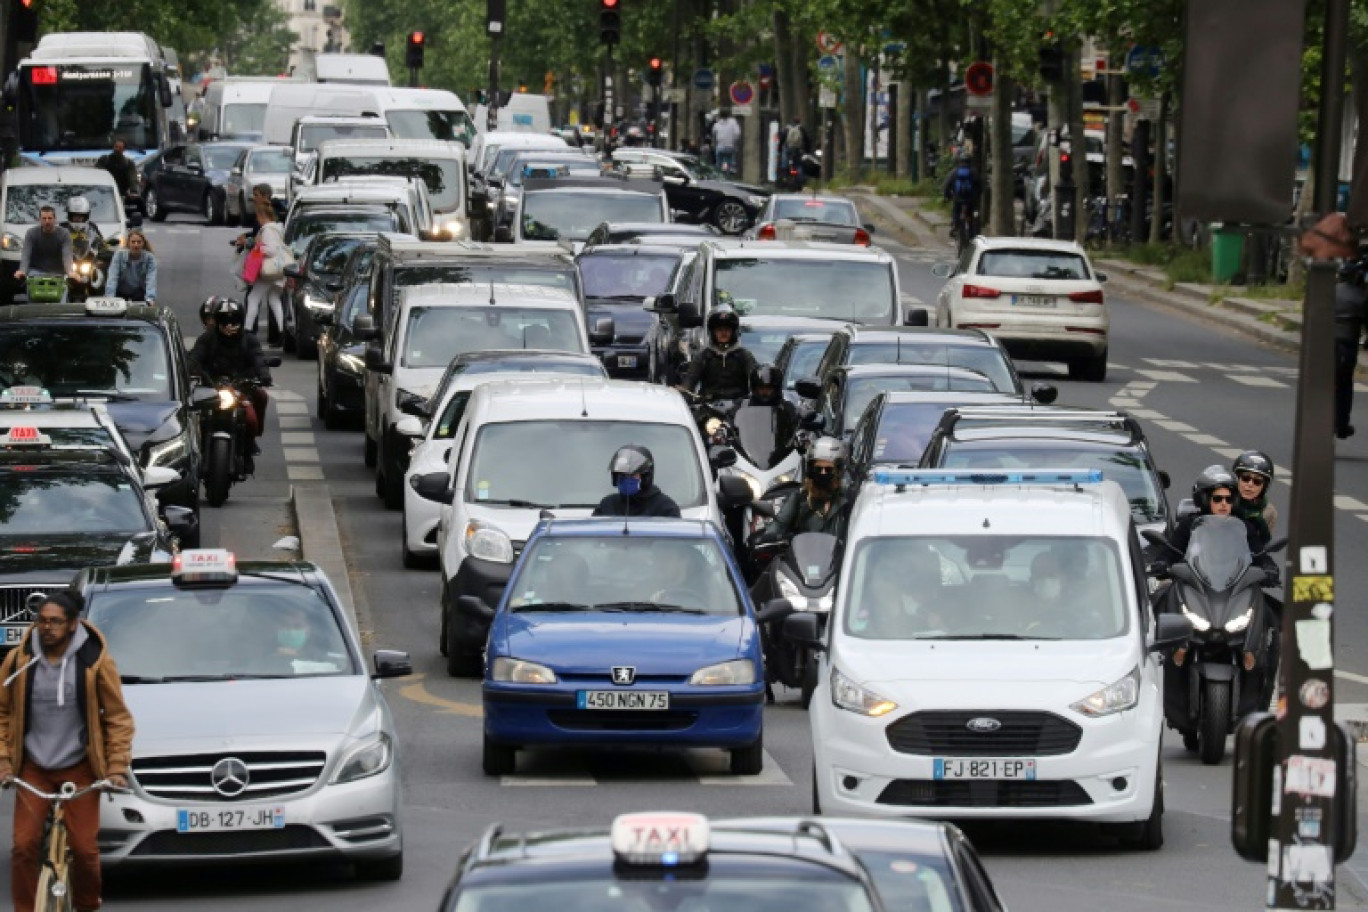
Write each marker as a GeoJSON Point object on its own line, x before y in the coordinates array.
{"type": "Point", "coordinates": [1048, 588]}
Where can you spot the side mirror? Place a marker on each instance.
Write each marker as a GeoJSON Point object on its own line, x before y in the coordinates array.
{"type": "Point", "coordinates": [809, 419]}
{"type": "Point", "coordinates": [408, 426]}
{"type": "Point", "coordinates": [733, 492]}
{"type": "Point", "coordinates": [237, 172]}
{"type": "Point", "coordinates": [1170, 632]}
{"type": "Point", "coordinates": [292, 271]}
{"type": "Point", "coordinates": [391, 663]}
{"type": "Point", "coordinates": [1044, 393]}
{"type": "Point", "coordinates": [869, 226]}
{"type": "Point", "coordinates": [204, 397]}
{"type": "Point", "coordinates": [689, 315]}
{"type": "Point", "coordinates": [418, 408]}
{"type": "Point", "coordinates": [159, 477]}
{"type": "Point", "coordinates": [774, 610]}
{"type": "Point", "coordinates": [181, 521]}
{"type": "Point", "coordinates": [1100, 276]}
{"type": "Point", "coordinates": [1275, 545]}
{"type": "Point", "coordinates": [722, 457]}
{"type": "Point", "coordinates": [665, 303]}
{"type": "Point", "coordinates": [434, 487]}
{"type": "Point", "coordinates": [472, 606]}
{"type": "Point", "coordinates": [603, 331]}
{"type": "Point", "coordinates": [801, 628]}
{"type": "Point", "coordinates": [375, 361]}
{"type": "Point", "coordinates": [917, 316]}
{"type": "Point", "coordinates": [808, 388]}
{"type": "Point", "coordinates": [943, 270]}
{"type": "Point", "coordinates": [1165, 479]}
{"type": "Point", "coordinates": [271, 362]}
{"type": "Point", "coordinates": [363, 328]}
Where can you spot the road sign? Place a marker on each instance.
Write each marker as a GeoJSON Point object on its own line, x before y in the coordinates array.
{"type": "Point", "coordinates": [826, 97]}
{"type": "Point", "coordinates": [742, 110]}
{"type": "Point", "coordinates": [978, 102]}
{"type": "Point", "coordinates": [828, 43]}
{"type": "Point", "coordinates": [1146, 61]}
{"type": "Point", "coordinates": [742, 92]}
{"type": "Point", "coordinates": [978, 79]}
{"type": "Point", "coordinates": [704, 79]}
{"type": "Point", "coordinates": [828, 64]}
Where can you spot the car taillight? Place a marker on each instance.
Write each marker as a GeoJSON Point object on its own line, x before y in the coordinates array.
{"type": "Point", "coordinates": [862, 237]}
{"type": "Point", "coordinates": [981, 291]}
{"type": "Point", "coordinates": [766, 233]}
{"type": "Point", "coordinates": [1087, 297]}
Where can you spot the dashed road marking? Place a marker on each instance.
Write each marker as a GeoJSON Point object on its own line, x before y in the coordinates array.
{"type": "Point", "coordinates": [1167, 376]}
{"type": "Point", "coordinates": [1159, 362]}
{"type": "Point", "coordinates": [292, 408]}
{"type": "Point", "coordinates": [1257, 380]}
{"type": "Point", "coordinates": [297, 438]}
{"type": "Point", "coordinates": [547, 781]}
{"type": "Point", "coordinates": [1180, 427]}
{"type": "Point", "coordinates": [1228, 452]}
{"type": "Point", "coordinates": [1345, 502]}
{"type": "Point", "coordinates": [294, 421]}
{"type": "Point", "coordinates": [301, 454]}
{"type": "Point", "coordinates": [1206, 440]}
{"type": "Point", "coordinates": [303, 472]}
{"type": "Point", "coordinates": [1148, 414]}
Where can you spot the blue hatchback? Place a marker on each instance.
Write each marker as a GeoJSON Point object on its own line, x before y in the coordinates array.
{"type": "Point", "coordinates": [624, 632]}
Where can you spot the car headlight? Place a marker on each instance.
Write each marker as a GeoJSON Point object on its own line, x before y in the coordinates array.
{"type": "Point", "coordinates": [1241, 622]}
{"type": "Point", "coordinates": [757, 202]}
{"type": "Point", "coordinates": [1114, 698]}
{"type": "Point", "coordinates": [456, 230]}
{"type": "Point", "coordinates": [516, 671]}
{"type": "Point", "coordinates": [369, 758]}
{"type": "Point", "coordinates": [725, 674]}
{"type": "Point", "coordinates": [169, 452]}
{"type": "Point", "coordinates": [352, 364]}
{"type": "Point", "coordinates": [227, 399]}
{"type": "Point", "coordinates": [848, 695]}
{"type": "Point", "coordinates": [317, 306]}
{"type": "Point", "coordinates": [488, 543]}
{"type": "Point", "coordinates": [1199, 623]}
{"type": "Point", "coordinates": [11, 242]}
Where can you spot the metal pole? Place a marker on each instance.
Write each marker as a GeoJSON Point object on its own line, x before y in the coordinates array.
{"type": "Point", "coordinates": [1305, 825]}
{"type": "Point", "coordinates": [492, 120]}
{"type": "Point", "coordinates": [413, 77]}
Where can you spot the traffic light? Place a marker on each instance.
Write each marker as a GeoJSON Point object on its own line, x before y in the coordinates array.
{"type": "Point", "coordinates": [413, 58]}
{"type": "Point", "coordinates": [1052, 61]}
{"type": "Point", "coordinates": [24, 22]}
{"type": "Point", "coordinates": [654, 72]}
{"type": "Point", "coordinates": [1066, 171]}
{"type": "Point", "coordinates": [610, 22]}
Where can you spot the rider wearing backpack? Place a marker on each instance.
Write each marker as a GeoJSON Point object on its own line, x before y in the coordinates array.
{"type": "Point", "coordinates": [961, 190]}
{"type": "Point", "coordinates": [795, 147]}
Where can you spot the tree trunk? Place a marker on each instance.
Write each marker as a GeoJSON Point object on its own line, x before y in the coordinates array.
{"type": "Point", "coordinates": [907, 106]}
{"type": "Point", "coordinates": [1116, 148]}
{"type": "Point", "coordinates": [789, 100]}
{"type": "Point", "coordinates": [1296, 267]}
{"type": "Point", "coordinates": [852, 114]}
{"type": "Point", "coordinates": [800, 76]}
{"type": "Point", "coordinates": [1156, 234]}
{"type": "Point", "coordinates": [1004, 201]}
{"type": "Point", "coordinates": [919, 132]}
{"type": "Point", "coordinates": [1078, 145]}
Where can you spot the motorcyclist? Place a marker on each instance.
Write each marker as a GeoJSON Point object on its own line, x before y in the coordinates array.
{"type": "Point", "coordinates": [206, 311]}
{"type": "Point", "coordinates": [85, 234]}
{"type": "Point", "coordinates": [1214, 493]}
{"type": "Point", "coordinates": [767, 391]}
{"type": "Point", "coordinates": [820, 505]}
{"type": "Point", "coordinates": [1253, 472]}
{"type": "Point", "coordinates": [632, 469]}
{"type": "Point", "coordinates": [723, 368]}
{"type": "Point", "coordinates": [47, 248]}
{"type": "Point", "coordinates": [122, 169]}
{"type": "Point", "coordinates": [225, 351]}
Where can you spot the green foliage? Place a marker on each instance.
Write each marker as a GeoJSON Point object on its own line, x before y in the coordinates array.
{"type": "Point", "coordinates": [1180, 264]}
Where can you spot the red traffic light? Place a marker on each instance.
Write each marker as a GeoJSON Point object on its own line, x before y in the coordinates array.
{"type": "Point", "coordinates": [609, 4]}
{"type": "Point", "coordinates": [415, 37]}
{"type": "Point", "coordinates": [655, 63]}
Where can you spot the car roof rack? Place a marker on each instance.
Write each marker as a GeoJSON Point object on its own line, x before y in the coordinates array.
{"type": "Point", "coordinates": [1038, 416]}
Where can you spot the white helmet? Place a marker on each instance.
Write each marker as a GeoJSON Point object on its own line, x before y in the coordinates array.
{"type": "Point", "coordinates": [78, 205]}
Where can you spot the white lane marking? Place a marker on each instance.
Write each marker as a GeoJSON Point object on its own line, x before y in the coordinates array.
{"type": "Point", "coordinates": [547, 781]}
{"type": "Point", "coordinates": [1112, 365]}
{"type": "Point", "coordinates": [1180, 427]}
{"type": "Point", "coordinates": [297, 438]}
{"type": "Point", "coordinates": [1145, 385]}
{"type": "Point", "coordinates": [301, 454]}
{"type": "Point", "coordinates": [1345, 502]}
{"type": "Point", "coordinates": [1256, 380]}
{"type": "Point", "coordinates": [292, 408]}
{"type": "Point", "coordinates": [770, 774]}
{"type": "Point", "coordinates": [1206, 440]}
{"type": "Point", "coordinates": [1362, 516]}
{"type": "Point", "coordinates": [1148, 414]}
{"type": "Point", "coordinates": [1159, 362]}
{"type": "Point", "coordinates": [1228, 452]}
{"type": "Point", "coordinates": [1167, 376]}
{"type": "Point", "coordinates": [1125, 403]}
{"type": "Point", "coordinates": [303, 472]}
{"type": "Point", "coordinates": [1350, 676]}
{"type": "Point", "coordinates": [285, 395]}
{"type": "Point", "coordinates": [293, 421]}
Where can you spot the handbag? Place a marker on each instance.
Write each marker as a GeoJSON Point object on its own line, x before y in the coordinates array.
{"type": "Point", "coordinates": [273, 267]}
{"type": "Point", "coordinates": [251, 267]}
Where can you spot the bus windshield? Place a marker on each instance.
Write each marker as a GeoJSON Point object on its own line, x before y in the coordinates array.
{"type": "Point", "coordinates": [88, 105]}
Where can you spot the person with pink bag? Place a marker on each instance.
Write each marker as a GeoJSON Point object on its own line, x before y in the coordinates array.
{"type": "Point", "coordinates": [264, 272]}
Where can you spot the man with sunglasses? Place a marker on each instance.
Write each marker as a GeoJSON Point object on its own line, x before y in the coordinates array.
{"type": "Point", "coordinates": [1253, 473]}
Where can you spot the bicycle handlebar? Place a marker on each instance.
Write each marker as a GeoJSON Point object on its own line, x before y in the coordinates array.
{"type": "Point", "coordinates": [68, 791]}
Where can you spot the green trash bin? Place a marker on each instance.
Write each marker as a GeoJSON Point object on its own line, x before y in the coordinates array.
{"type": "Point", "coordinates": [1227, 249]}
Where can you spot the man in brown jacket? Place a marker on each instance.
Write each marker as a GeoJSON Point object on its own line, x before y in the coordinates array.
{"type": "Point", "coordinates": [62, 719]}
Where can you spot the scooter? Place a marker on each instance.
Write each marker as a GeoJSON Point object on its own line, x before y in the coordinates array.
{"type": "Point", "coordinates": [801, 578]}
{"type": "Point", "coordinates": [767, 460]}
{"type": "Point", "coordinates": [1229, 667]}
{"type": "Point", "coordinates": [227, 439]}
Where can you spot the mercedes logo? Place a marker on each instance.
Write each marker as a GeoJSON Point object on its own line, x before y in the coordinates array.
{"type": "Point", "coordinates": [983, 725]}
{"type": "Point", "coordinates": [624, 674]}
{"type": "Point", "coordinates": [230, 777]}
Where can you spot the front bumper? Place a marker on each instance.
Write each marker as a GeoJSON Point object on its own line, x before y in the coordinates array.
{"type": "Point", "coordinates": [351, 822]}
{"type": "Point", "coordinates": [421, 517]}
{"type": "Point", "coordinates": [625, 361]}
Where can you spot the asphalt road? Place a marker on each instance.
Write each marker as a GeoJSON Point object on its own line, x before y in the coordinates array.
{"type": "Point", "coordinates": [1203, 394]}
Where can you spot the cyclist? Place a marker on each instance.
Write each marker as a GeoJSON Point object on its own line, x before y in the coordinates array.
{"type": "Point", "coordinates": [47, 248]}
{"type": "Point", "coordinates": [961, 191]}
{"type": "Point", "coordinates": [62, 719]}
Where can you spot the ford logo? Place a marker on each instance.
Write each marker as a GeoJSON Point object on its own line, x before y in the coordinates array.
{"type": "Point", "coordinates": [983, 725]}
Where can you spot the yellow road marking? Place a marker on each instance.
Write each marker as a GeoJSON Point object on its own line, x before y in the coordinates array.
{"type": "Point", "coordinates": [416, 692]}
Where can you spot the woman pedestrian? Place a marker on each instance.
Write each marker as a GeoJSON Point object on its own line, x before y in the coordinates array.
{"type": "Point", "coordinates": [133, 270]}
{"type": "Point", "coordinates": [268, 287]}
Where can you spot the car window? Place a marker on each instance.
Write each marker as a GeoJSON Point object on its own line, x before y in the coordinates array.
{"type": "Point", "coordinates": [851, 290]}
{"type": "Point", "coordinates": [1032, 264]}
{"type": "Point", "coordinates": [23, 202]}
{"type": "Point", "coordinates": [69, 501]}
{"type": "Point", "coordinates": [310, 135]}
{"type": "Point", "coordinates": [174, 156]}
{"type": "Point", "coordinates": [222, 158]}
{"type": "Point", "coordinates": [356, 304]}
{"type": "Point", "coordinates": [627, 276]}
{"type": "Point", "coordinates": [435, 335]}
{"type": "Point", "coordinates": [550, 274]}
{"type": "Point", "coordinates": [194, 158]}
{"type": "Point", "coordinates": [441, 176]}
{"type": "Point", "coordinates": [431, 124]}
{"type": "Point", "coordinates": [905, 430]}
{"type": "Point", "coordinates": [86, 359]}
{"type": "Point", "coordinates": [272, 161]}
{"type": "Point", "coordinates": [982, 359]}
{"type": "Point", "coordinates": [330, 256]}
{"type": "Point", "coordinates": [803, 362]}
{"type": "Point", "coordinates": [907, 880]}
{"type": "Point", "coordinates": [863, 389]}
{"type": "Point", "coordinates": [302, 228]}
{"type": "Point", "coordinates": [450, 419]}
{"type": "Point", "coordinates": [555, 215]}
{"type": "Point", "coordinates": [840, 212]}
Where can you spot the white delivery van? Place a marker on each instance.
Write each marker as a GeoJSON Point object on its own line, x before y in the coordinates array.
{"type": "Point", "coordinates": [289, 102]}
{"type": "Point", "coordinates": [526, 113]}
{"type": "Point", "coordinates": [352, 69]}
{"type": "Point", "coordinates": [425, 114]}
{"type": "Point", "coordinates": [235, 108]}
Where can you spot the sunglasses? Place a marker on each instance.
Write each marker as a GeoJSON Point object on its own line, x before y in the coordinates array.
{"type": "Point", "coordinates": [1222, 498]}
{"type": "Point", "coordinates": [823, 470]}
{"type": "Point", "coordinates": [1249, 478]}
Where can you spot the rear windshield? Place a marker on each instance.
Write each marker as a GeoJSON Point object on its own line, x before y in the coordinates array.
{"type": "Point", "coordinates": [570, 215]}
{"type": "Point", "coordinates": [310, 135]}
{"type": "Point", "coordinates": [301, 229]}
{"type": "Point", "coordinates": [441, 175]}
{"type": "Point", "coordinates": [838, 212]}
{"type": "Point", "coordinates": [1032, 264]}
{"type": "Point", "coordinates": [980, 358]}
{"type": "Point", "coordinates": [271, 161]}
{"type": "Point", "coordinates": [449, 126]}
{"type": "Point", "coordinates": [435, 335]}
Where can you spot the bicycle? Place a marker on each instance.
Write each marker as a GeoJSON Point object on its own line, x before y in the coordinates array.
{"type": "Point", "coordinates": [54, 881]}
{"type": "Point", "coordinates": [965, 229]}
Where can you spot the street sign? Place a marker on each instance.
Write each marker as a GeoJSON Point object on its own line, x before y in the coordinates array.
{"type": "Point", "coordinates": [828, 43]}
{"type": "Point", "coordinates": [978, 102]}
{"type": "Point", "coordinates": [742, 110]}
{"type": "Point", "coordinates": [1146, 61]}
{"type": "Point", "coordinates": [704, 80]}
{"type": "Point", "coordinates": [978, 79]}
{"type": "Point", "coordinates": [826, 97]}
{"type": "Point", "coordinates": [742, 92]}
{"type": "Point", "coordinates": [828, 64]}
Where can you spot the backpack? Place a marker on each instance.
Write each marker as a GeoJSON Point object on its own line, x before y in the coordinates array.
{"type": "Point", "coordinates": [794, 139]}
{"type": "Point", "coordinates": [963, 186]}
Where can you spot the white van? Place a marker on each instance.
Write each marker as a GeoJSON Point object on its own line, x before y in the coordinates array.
{"type": "Point", "coordinates": [290, 102]}
{"type": "Point", "coordinates": [440, 165]}
{"type": "Point", "coordinates": [23, 191]}
{"type": "Point", "coordinates": [523, 113]}
{"type": "Point", "coordinates": [235, 108]}
{"type": "Point", "coordinates": [353, 69]}
{"type": "Point", "coordinates": [310, 132]}
{"type": "Point", "coordinates": [425, 114]}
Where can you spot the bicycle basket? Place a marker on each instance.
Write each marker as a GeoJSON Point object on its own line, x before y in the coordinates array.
{"type": "Point", "coordinates": [46, 289]}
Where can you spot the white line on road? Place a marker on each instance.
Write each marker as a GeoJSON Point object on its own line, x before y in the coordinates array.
{"type": "Point", "coordinates": [1167, 376]}
{"type": "Point", "coordinates": [1180, 427]}
{"type": "Point", "coordinates": [301, 454]}
{"type": "Point", "coordinates": [285, 395]}
{"type": "Point", "coordinates": [1228, 452]}
{"type": "Point", "coordinates": [1350, 676]}
{"type": "Point", "coordinates": [1256, 380]}
{"type": "Point", "coordinates": [543, 781]}
{"type": "Point", "coordinates": [293, 422]}
{"type": "Point", "coordinates": [1159, 362]}
{"type": "Point", "coordinates": [303, 472]}
{"type": "Point", "coordinates": [1149, 414]}
{"type": "Point", "coordinates": [1206, 440]}
{"type": "Point", "coordinates": [297, 438]}
{"type": "Point", "coordinates": [771, 774]}
{"type": "Point", "coordinates": [292, 408]}
{"type": "Point", "coordinates": [1345, 502]}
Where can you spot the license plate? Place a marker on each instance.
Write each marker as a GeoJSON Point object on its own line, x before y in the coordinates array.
{"type": "Point", "coordinates": [976, 768]}
{"type": "Point", "coordinates": [220, 820]}
{"type": "Point", "coordinates": [1034, 300]}
{"type": "Point", "coordinates": [14, 634]}
{"type": "Point", "coordinates": [623, 699]}
{"type": "Point", "coordinates": [627, 361]}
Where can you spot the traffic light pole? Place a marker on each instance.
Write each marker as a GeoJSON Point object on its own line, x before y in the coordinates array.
{"type": "Point", "coordinates": [609, 107]}
{"type": "Point", "coordinates": [492, 117]}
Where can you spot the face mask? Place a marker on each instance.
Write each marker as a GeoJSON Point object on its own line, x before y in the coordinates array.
{"type": "Point", "coordinates": [824, 482]}
{"type": "Point", "coordinates": [292, 638]}
{"type": "Point", "coordinates": [629, 486]}
{"type": "Point", "coordinates": [1048, 588]}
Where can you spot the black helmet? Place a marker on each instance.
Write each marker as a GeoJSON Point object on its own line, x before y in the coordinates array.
{"type": "Point", "coordinates": [1212, 477]}
{"type": "Point", "coordinates": [206, 310]}
{"type": "Point", "coordinates": [723, 315]}
{"type": "Point", "coordinates": [1255, 462]}
{"type": "Point", "coordinates": [229, 313]}
{"type": "Point", "coordinates": [767, 375]}
{"type": "Point", "coordinates": [633, 460]}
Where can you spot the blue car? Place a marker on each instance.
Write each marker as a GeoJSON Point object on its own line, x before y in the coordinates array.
{"type": "Point", "coordinates": [624, 632]}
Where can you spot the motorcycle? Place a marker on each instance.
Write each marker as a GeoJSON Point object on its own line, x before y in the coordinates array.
{"type": "Point", "coordinates": [802, 577]}
{"type": "Point", "coordinates": [226, 438]}
{"type": "Point", "coordinates": [1229, 667]}
{"type": "Point", "coordinates": [88, 278]}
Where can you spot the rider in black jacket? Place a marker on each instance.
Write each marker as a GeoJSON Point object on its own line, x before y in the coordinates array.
{"type": "Point", "coordinates": [225, 351]}
{"type": "Point", "coordinates": [723, 368]}
{"type": "Point", "coordinates": [633, 472]}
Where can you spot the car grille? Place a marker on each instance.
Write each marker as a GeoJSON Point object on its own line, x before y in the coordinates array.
{"type": "Point", "coordinates": [613, 720]}
{"type": "Point", "coordinates": [291, 837]}
{"type": "Point", "coordinates": [1020, 734]}
{"type": "Point", "coordinates": [984, 794]}
{"type": "Point", "coordinates": [14, 607]}
{"type": "Point", "coordinates": [191, 777]}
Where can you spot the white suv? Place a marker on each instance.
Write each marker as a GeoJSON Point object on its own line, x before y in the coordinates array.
{"type": "Point", "coordinates": [992, 654]}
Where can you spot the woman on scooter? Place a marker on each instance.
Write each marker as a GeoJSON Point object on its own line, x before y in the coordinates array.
{"type": "Point", "coordinates": [1253, 473]}
{"type": "Point", "coordinates": [820, 506]}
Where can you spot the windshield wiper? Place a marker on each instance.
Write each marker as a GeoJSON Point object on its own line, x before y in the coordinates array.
{"type": "Point", "coordinates": [113, 395]}
{"type": "Point", "coordinates": [191, 679]}
{"type": "Point", "coordinates": [647, 606]}
{"type": "Point", "coordinates": [528, 504]}
{"type": "Point", "coordinates": [554, 606]}
{"type": "Point", "coordinates": [988, 636]}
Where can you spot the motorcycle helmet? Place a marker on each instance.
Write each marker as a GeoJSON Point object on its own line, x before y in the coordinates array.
{"type": "Point", "coordinates": [78, 209]}
{"type": "Point", "coordinates": [1212, 477]}
{"type": "Point", "coordinates": [723, 315]}
{"type": "Point", "coordinates": [229, 313]}
{"type": "Point", "coordinates": [632, 460]}
{"type": "Point", "coordinates": [826, 449]}
{"type": "Point", "coordinates": [766, 375]}
{"type": "Point", "coordinates": [1255, 463]}
{"type": "Point", "coordinates": [206, 310]}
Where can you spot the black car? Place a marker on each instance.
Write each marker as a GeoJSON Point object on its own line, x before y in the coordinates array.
{"type": "Point", "coordinates": [618, 280]}
{"type": "Point", "coordinates": [134, 357]}
{"type": "Point", "coordinates": [846, 391]}
{"type": "Point", "coordinates": [342, 360]}
{"type": "Point", "coordinates": [798, 359]}
{"type": "Point", "coordinates": [191, 178]}
{"type": "Point", "coordinates": [698, 192]}
{"type": "Point", "coordinates": [351, 219]}
{"type": "Point", "coordinates": [311, 286]}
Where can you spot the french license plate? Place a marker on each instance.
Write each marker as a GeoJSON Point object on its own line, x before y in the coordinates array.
{"type": "Point", "coordinates": [976, 768]}
{"type": "Point", "coordinates": [220, 820]}
{"type": "Point", "coordinates": [629, 361]}
{"type": "Point", "coordinates": [623, 699]}
{"type": "Point", "coordinates": [1034, 300]}
{"type": "Point", "coordinates": [14, 634]}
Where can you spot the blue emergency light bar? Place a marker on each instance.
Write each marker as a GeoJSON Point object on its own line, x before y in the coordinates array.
{"type": "Point", "coordinates": [926, 477]}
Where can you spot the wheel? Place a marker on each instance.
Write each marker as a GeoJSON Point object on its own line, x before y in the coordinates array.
{"type": "Point", "coordinates": [1148, 834]}
{"type": "Point", "coordinates": [377, 869]}
{"type": "Point", "coordinates": [372, 452]}
{"type": "Point", "coordinates": [748, 760]}
{"type": "Point", "coordinates": [152, 205]}
{"type": "Point", "coordinates": [1214, 724]}
{"type": "Point", "coordinates": [332, 419]}
{"type": "Point", "coordinates": [219, 475]}
{"type": "Point", "coordinates": [499, 759]}
{"type": "Point", "coordinates": [213, 209]}
{"type": "Point", "coordinates": [809, 680]}
{"type": "Point", "coordinates": [1190, 742]}
{"type": "Point", "coordinates": [731, 217]}
{"type": "Point", "coordinates": [53, 894]}
{"type": "Point", "coordinates": [1093, 370]}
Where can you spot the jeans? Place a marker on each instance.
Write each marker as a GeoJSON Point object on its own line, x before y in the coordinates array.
{"type": "Point", "coordinates": [726, 159]}
{"type": "Point", "coordinates": [83, 826]}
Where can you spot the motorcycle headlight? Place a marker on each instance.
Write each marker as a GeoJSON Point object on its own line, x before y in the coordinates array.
{"type": "Point", "coordinates": [351, 363]}
{"type": "Point", "coordinates": [227, 399]}
{"type": "Point", "coordinates": [83, 269]}
{"type": "Point", "coordinates": [788, 589]}
{"type": "Point", "coordinates": [516, 671]}
{"type": "Point", "coordinates": [1114, 698]}
{"type": "Point", "coordinates": [11, 242]}
{"type": "Point", "coordinates": [725, 674]}
{"type": "Point", "coordinates": [369, 758]}
{"type": "Point", "coordinates": [169, 452]}
{"type": "Point", "coordinates": [1241, 622]}
{"type": "Point", "coordinates": [488, 543]}
{"type": "Point", "coordinates": [848, 695]}
{"type": "Point", "coordinates": [1199, 623]}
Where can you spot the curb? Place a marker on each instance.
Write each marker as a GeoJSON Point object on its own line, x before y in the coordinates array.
{"type": "Point", "coordinates": [320, 541]}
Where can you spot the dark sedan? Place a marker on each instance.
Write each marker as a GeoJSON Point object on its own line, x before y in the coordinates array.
{"type": "Point", "coordinates": [698, 192]}
{"type": "Point", "coordinates": [342, 362]}
{"type": "Point", "coordinates": [191, 178]}
{"type": "Point", "coordinates": [618, 280]}
{"type": "Point", "coordinates": [311, 286]}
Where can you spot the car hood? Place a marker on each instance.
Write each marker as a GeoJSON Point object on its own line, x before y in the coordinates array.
{"type": "Point", "coordinates": [65, 554]}
{"type": "Point", "coordinates": [421, 381]}
{"type": "Point", "coordinates": [214, 715]}
{"type": "Point", "coordinates": [1025, 663]}
{"type": "Point", "coordinates": [664, 644]}
{"type": "Point", "coordinates": [630, 322]}
{"type": "Point", "coordinates": [722, 186]}
{"type": "Point", "coordinates": [138, 420]}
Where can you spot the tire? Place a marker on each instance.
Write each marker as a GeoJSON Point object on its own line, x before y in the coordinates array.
{"type": "Point", "coordinates": [442, 623]}
{"type": "Point", "coordinates": [748, 760]}
{"type": "Point", "coordinates": [213, 209]}
{"type": "Point", "coordinates": [218, 476]}
{"type": "Point", "coordinates": [332, 419]}
{"type": "Point", "coordinates": [152, 205]}
{"type": "Point", "coordinates": [1092, 370]}
{"type": "Point", "coordinates": [392, 487]}
{"type": "Point", "coordinates": [730, 217]}
{"type": "Point", "coordinates": [1214, 724]}
{"type": "Point", "coordinates": [380, 869]}
{"type": "Point", "coordinates": [372, 452]}
{"type": "Point", "coordinates": [499, 759]}
{"type": "Point", "coordinates": [1148, 834]}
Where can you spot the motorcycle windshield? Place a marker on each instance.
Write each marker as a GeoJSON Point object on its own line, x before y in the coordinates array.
{"type": "Point", "coordinates": [755, 432]}
{"type": "Point", "coordinates": [813, 554]}
{"type": "Point", "coordinates": [1219, 551]}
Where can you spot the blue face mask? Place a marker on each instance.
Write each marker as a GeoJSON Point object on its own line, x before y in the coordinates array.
{"type": "Point", "coordinates": [629, 486]}
{"type": "Point", "coordinates": [292, 638]}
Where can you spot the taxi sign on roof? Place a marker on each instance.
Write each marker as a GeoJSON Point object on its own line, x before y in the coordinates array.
{"type": "Point", "coordinates": [660, 838]}
{"type": "Point", "coordinates": [204, 565]}
{"type": "Point", "coordinates": [26, 436]}
{"type": "Point", "coordinates": [25, 395]}
{"type": "Point", "coordinates": [106, 307]}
